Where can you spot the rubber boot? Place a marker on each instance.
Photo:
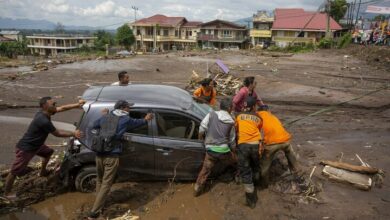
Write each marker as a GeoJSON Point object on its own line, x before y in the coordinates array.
{"type": "Point", "coordinates": [251, 199]}
{"type": "Point", "coordinates": [198, 189]}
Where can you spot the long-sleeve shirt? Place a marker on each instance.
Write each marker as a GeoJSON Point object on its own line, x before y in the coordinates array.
{"type": "Point", "coordinates": [125, 123]}
{"type": "Point", "coordinates": [239, 99]}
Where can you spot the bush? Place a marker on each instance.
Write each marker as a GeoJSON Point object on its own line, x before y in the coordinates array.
{"type": "Point", "coordinates": [325, 43]}
{"type": "Point", "coordinates": [344, 41]}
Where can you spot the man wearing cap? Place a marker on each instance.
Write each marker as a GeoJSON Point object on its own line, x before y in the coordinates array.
{"type": "Point", "coordinates": [248, 125]}
{"type": "Point", "coordinates": [123, 78]}
{"type": "Point", "coordinates": [275, 138]}
{"type": "Point", "coordinates": [107, 163]}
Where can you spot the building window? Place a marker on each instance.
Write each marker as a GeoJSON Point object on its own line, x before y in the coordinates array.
{"type": "Point", "coordinates": [165, 32]}
{"type": "Point", "coordinates": [301, 34]}
{"type": "Point", "coordinates": [289, 33]}
{"type": "Point", "coordinates": [176, 33]}
{"type": "Point", "coordinates": [149, 31]}
{"type": "Point", "coordinates": [227, 33]}
{"type": "Point", "coordinates": [138, 32]}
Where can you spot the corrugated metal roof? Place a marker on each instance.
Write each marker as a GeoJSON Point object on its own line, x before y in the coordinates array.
{"type": "Point", "coordinates": [297, 18]}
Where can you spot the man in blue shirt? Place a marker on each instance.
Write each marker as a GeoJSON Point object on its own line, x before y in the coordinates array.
{"type": "Point", "coordinates": [107, 163]}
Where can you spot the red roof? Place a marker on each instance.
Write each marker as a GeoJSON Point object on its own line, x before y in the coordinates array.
{"type": "Point", "coordinates": [162, 20]}
{"type": "Point", "coordinates": [192, 24]}
{"type": "Point", "coordinates": [297, 18]}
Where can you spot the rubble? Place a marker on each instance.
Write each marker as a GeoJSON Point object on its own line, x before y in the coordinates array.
{"type": "Point", "coordinates": [227, 83]}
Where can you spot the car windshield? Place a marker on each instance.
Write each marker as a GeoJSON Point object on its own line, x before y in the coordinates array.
{"type": "Point", "coordinates": [200, 109]}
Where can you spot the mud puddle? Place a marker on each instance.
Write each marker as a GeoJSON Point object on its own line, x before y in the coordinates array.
{"type": "Point", "coordinates": [61, 207]}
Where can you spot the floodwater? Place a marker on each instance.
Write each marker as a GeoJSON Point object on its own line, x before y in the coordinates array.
{"type": "Point", "coordinates": [61, 207]}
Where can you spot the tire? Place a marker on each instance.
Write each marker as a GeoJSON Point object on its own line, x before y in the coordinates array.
{"type": "Point", "coordinates": [86, 179]}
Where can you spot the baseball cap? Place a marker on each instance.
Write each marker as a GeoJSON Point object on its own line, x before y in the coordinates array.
{"type": "Point", "coordinates": [122, 104]}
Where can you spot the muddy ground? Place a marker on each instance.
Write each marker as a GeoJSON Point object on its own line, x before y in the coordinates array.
{"type": "Point", "coordinates": [293, 86]}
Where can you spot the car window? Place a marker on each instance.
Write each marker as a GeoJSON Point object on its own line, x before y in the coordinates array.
{"type": "Point", "coordinates": [139, 130]}
{"type": "Point", "coordinates": [176, 126]}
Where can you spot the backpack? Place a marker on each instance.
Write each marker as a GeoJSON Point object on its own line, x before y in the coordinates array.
{"type": "Point", "coordinates": [104, 141]}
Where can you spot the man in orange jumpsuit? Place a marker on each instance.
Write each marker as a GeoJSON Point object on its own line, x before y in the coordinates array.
{"type": "Point", "coordinates": [275, 138]}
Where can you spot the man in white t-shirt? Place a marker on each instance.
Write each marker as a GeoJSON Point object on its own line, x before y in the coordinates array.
{"type": "Point", "coordinates": [123, 78]}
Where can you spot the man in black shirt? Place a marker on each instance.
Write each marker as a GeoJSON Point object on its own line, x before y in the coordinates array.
{"type": "Point", "coordinates": [33, 141]}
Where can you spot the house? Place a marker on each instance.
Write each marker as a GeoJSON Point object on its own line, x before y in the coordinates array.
{"type": "Point", "coordinates": [51, 45]}
{"type": "Point", "coordinates": [222, 34]}
{"type": "Point", "coordinates": [165, 33]}
{"type": "Point", "coordinates": [261, 32]}
{"type": "Point", "coordinates": [296, 26]}
{"type": "Point", "coordinates": [15, 35]}
{"type": "Point", "coordinates": [5, 39]}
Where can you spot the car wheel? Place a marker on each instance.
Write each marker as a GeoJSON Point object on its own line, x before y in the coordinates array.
{"type": "Point", "coordinates": [86, 179]}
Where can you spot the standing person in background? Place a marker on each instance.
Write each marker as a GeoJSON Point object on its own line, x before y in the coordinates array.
{"type": "Point", "coordinates": [247, 91]}
{"type": "Point", "coordinates": [123, 78]}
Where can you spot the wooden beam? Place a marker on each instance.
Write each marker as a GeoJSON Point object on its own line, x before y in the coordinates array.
{"type": "Point", "coordinates": [350, 167]}
{"type": "Point", "coordinates": [358, 180]}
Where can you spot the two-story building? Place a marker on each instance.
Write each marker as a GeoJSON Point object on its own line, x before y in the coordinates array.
{"type": "Point", "coordinates": [296, 26]}
{"type": "Point", "coordinates": [222, 34]}
{"type": "Point", "coordinates": [165, 33]}
{"type": "Point", "coordinates": [51, 45]}
{"type": "Point", "coordinates": [261, 32]}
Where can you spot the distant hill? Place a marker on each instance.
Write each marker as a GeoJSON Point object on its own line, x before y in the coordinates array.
{"type": "Point", "coordinates": [9, 23]}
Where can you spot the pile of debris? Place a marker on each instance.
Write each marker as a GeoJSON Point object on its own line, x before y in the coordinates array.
{"type": "Point", "coordinates": [227, 83]}
{"type": "Point", "coordinates": [32, 188]}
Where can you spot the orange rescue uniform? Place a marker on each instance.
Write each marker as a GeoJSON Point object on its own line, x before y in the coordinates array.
{"type": "Point", "coordinates": [248, 128]}
{"type": "Point", "coordinates": [273, 130]}
{"type": "Point", "coordinates": [208, 96]}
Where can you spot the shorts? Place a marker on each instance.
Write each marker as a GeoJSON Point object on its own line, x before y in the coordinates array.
{"type": "Point", "coordinates": [19, 166]}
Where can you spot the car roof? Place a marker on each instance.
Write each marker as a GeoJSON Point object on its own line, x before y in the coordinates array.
{"type": "Point", "coordinates": [142, 95]}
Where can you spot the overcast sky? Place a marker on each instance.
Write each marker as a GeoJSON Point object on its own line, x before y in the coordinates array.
{"type": "Point", "coordinates": [99, 13]}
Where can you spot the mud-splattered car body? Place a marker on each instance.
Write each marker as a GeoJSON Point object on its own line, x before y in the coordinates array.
{"type": "Point", "coordinates": [168, 145]}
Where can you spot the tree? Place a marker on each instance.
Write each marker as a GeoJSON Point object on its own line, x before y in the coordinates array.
{"type": "Point", "coordinates": [125, 36]}
{"type": "Point", "coordinates": [338, 9]}
{"type": "Point", "coordinates": [380, 17]}
{"type": "Point", "coordinates": [60, 28]}
{"type": "Point", "coordinates": [103, 38]}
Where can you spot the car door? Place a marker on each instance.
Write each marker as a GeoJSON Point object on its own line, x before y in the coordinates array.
{"type": "Point", "coordinates": [178, 151]}
{"type": "Point", "coordinates": [137, 161]}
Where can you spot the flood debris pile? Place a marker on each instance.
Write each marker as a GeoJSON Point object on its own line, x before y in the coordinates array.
{"type": "Point", "coordinates": [283, 181]}
{"type": "Point", "coordinates": [32, 188]}
{"type": "Point", "coordinates": [227, 83]}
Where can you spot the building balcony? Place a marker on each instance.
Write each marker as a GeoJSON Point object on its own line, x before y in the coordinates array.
{"type": "Point", "coordinates": [260, 33]}
{"type": "Point", "coordinates": [295, 39]}
{"type": "Point", "coordinates": [166, 38]}
{"type": "Point", "coordinates": [216, 38]}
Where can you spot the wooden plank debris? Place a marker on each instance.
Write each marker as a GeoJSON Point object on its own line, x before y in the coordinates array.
{"type": "Point", "coordinates": [358, 180]}
{"type": "Point", "coordinates": [350, 167]}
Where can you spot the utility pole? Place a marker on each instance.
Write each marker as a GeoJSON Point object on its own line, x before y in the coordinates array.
{"type": "Point", "coordinates": [328, 31]}
{"type": "Point", "coordinates": [352, 15]}
{"type": "Point", "coordinates": [357, 14]}
{"type": "Point", "coordinates": [135, 19]}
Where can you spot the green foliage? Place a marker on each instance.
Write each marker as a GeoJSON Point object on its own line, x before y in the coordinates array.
{"type": "Point", "coordinates": [325, 43]}
{"type": "Point", "coordinates": [125, 36]}
{"type": "Point", "coordinates": [380, 17]}
{"type": "Point", "coordinates": [13, 48]}
{"type": "Point", "coordinates": [344, 41]}
{"type": "Point", "coordinates": [294, 48]}
{"type": "Point", "coordinates": [103, 38]}
{"type": "Point", "coordinates": [338, 9]}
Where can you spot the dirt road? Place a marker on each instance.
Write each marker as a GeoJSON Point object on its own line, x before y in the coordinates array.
{"type": "Point", "coordinates": [293, 87]}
